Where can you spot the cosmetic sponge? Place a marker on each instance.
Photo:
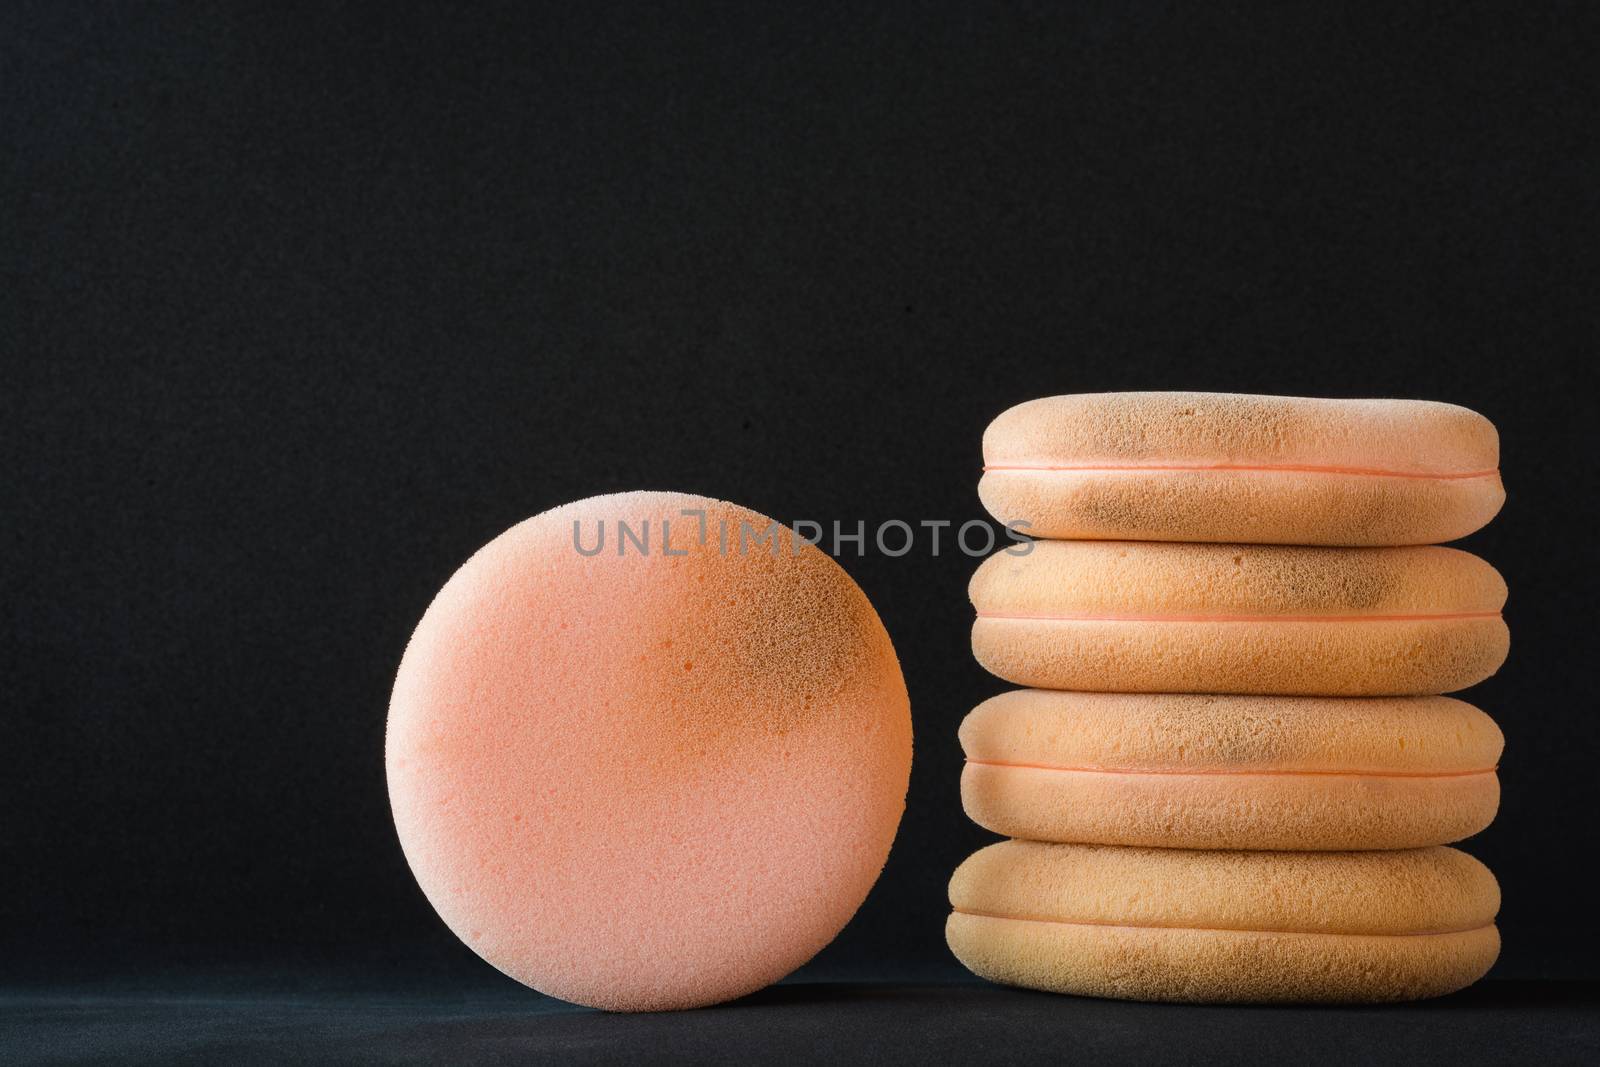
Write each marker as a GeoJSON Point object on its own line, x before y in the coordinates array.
{"type": "Point", "coordinates": [1179, 770]}
{"type": "Point", "coordinates": [1225, 927]}
{"type": "Point", "coordinates": [639, 759]}
{"type": "Point", "coordinates": [1231, 467]}
{"type": "Point", "coordinates": [1151, 617]}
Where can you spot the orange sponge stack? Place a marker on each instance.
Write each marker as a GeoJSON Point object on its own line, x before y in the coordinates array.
{"type": "Point", "coordinates": [1233, 776]}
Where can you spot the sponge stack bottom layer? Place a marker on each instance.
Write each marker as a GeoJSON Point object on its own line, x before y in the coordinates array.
{"type": "Point", "coordinates": [1217, 926]}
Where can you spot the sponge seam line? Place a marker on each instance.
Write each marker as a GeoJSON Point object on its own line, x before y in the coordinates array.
{"type": "Point", "coordinates": [1220, 929]}
{"type": "Point", "coordinates": [1448, 616]}
{"type": "Point", "coordinates": [1202, 468]}
{"type": "Point", "coordinates": [1224, 772]}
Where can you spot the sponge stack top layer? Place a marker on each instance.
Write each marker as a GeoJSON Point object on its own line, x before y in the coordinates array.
{"type": "Point", "coordinates": [1232, 467]}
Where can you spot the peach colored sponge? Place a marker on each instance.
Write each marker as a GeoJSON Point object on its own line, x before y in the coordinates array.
{"type": "Point", "coordinates": [1130, 616]}
{"type": "Point", "coordinates": [645, 782]}
{"type": "Point", "coordinates": [1239, 772]}
{"type": "Point", "coordinates": [1175, 924]}
{"type": "Point", "coordinates": [1228, 467]}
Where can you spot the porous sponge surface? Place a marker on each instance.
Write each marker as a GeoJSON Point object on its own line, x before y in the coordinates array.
{"type": "Point", "coordinates": [647, 781]}
{"type": "Point", "coordinates": [1420, 436]}
{"type": "Point", "coordinates": [1171, 924]}
{"type": "Point", "coordinates": [1191, 771]}
{"type": "Point", "coordinates": [1413, 891]}
{"type": "Point", "coordinates": [1109, 465]}
{"type": "Point", "coordinates": [1284, 507]}
{"type": "Point", "coordinates": [1183, 731]}
{"type": "Point", "coordinates": [1131, 578]}
{"type": "Point", "coordinates": [1240, 812]}
{"type": "Point", "coordinates": [1128, 616]}
{"type": "Point", "coordinates": [1220, 966]}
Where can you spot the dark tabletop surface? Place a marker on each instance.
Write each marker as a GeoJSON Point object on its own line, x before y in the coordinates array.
{"type": "Point", "coordinates": [204, 1018]}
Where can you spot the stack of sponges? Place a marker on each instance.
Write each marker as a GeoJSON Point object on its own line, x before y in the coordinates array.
{"type": "Point", "coordinates": [1233, 776]}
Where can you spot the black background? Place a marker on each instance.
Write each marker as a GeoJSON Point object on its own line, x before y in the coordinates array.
{"type": "Point", "coordinates": [302, 304]}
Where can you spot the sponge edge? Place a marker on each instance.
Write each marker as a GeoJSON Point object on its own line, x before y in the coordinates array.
{"type": "Point", "coordinates": [1411, 891]}
{"type": "Point", "coordinates": [1186, 771]}
{"type": "Point", "coordinates": [1220, 966]}
{"type": "Point", "coordinates": [1284, 507]}
{"type": "Point", "coordinates": [647, 781]}
{"type": "Point", "coordinates": [1415, 436]}
{"type": "Point", "coordinates": [1230, 467]}
{"type": "Point", "coordinates": [1130, 616]}
{"type": "Point", "coordinates": [1172, 924]}
{"type": "Point", "coordinates": [1212, 733]}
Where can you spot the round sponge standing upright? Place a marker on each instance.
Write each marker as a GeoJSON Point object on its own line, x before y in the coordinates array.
{"type": "Point", "coordinates": [645, 778]}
